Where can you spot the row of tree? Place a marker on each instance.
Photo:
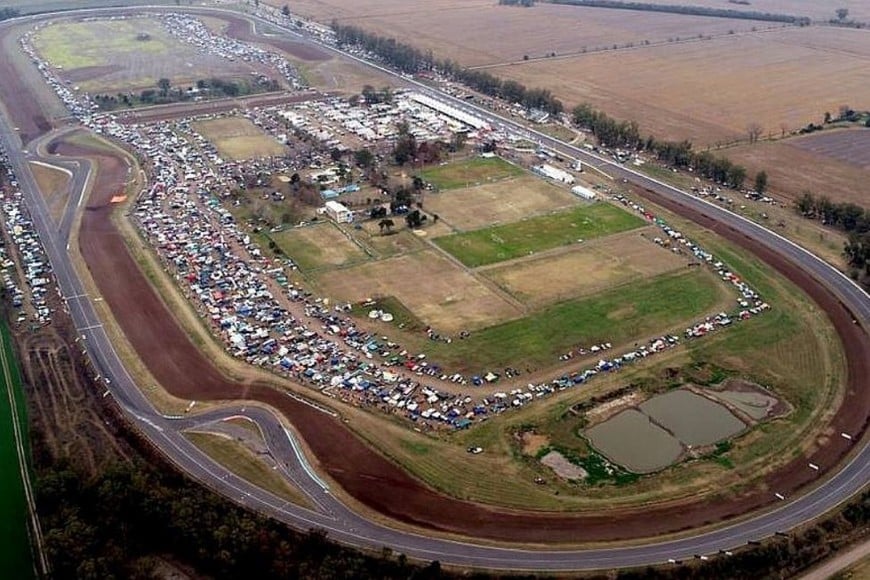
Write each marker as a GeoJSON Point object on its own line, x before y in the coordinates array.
{"type": "Point", "coordinates": [690, 10]}
{"type": "Point", "coordinates": [849, 217]}
{"type": "Point", "coordinates": [411, 60]}
{"type": "Point", "coordinates": [524, 3]}
{"type": "Point", "coordinates": [626, 134]}
{"type": "Point", "coordinates": [7, 13]}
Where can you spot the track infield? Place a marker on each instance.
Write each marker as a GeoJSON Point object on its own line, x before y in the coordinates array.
{"type": "Point", "coordinates": [523, 238]}
{"type": "Point", "coordinates": [237, 138]}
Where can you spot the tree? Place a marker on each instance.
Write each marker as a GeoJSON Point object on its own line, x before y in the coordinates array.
{"type": "Point", "coordinates": [754, 130]}
{"type": "Point", "coordinates": [364, 157]}
{"type": "Point", "coordinates": [827, 117]}
{"type": "Point", "coordinates": [842, 13]}
{"type": "Point", "coordinates": [458, 141]}
{"type": "Point", "coordinates": [164, 84]}
{"type": "Point", "coordinates": [285, 10]}
{"type": "Point", "coordinates": [761, 181]}
{"type": "Point", "coordinates": [387, 224]}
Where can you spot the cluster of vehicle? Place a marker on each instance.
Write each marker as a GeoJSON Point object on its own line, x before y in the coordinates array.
{"type": "Point", "coordinates": [34, 266]}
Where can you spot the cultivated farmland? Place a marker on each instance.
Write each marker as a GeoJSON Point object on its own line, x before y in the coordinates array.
{"type": "Point", "coordinates": [671, 90]}
{"type": "Point", "coordinates": [793, 169]}
{"type": "Point", "coordinates": [480, 32]}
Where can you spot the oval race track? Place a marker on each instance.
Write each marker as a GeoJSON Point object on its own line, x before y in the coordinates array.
{"type": "Point", "coordinates": [353, 529]}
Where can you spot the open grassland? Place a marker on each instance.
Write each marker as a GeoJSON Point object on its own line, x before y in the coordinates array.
{"type": "Point", "coordinates": [470, 172]}
{"type": "Point", "coordinates": [238, 138]}
{"type": "Point", "coordinates": [15, 553]}
{"type": "Point", "coordinates": [103, 56]}
{"type": "Point", "coordinates": [432, 287]}
{"type": "Point", "coordinates": [53, 185]}
{"type": "Point", "coordinates": [242, 461]}
{"type": "Point", "coordinates": [792, 169]}
{"type": "Point", "coordinates": [666, 89]}
{"type": "Point", "coordinates": [477, 32]}
{"type": "Point", "coordinates": [506, 201]}
{"type": "Point", "coordinates": [320, 245]}
{"type": "Point", "coordinates": [587, 269]}
{"type": "Point", "coordinates": [792, 350]}
{"type": "Point", "coordinates": [506, 242]}
{"type": "Point", "coordinates": [618, 315]}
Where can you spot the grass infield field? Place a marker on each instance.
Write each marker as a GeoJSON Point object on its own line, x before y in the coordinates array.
{"type": "Point", "coordinates": [617, 315]}
{"type": "Point", "coordinates": [238, 138]}
{"type": "Point", "coordinates": [505, 242]}
{"type": "Point", "coordinates": [15, 555]}
{"type": "Point", "coordinates": [472, 171]}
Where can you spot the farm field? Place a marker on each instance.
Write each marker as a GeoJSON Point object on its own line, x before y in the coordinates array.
{"type": "Point", "coordinates": [103, 56]}
{"type": "Point", "coordinates": [848, 146]}
{"type": "Point", "coordinates": [473, 171]}
{"type": "Point", "coordinates": [858, 9]}
{"type": "Point", "coordinates": [237, 138]}
{"type": "Point", "coordinates": [505, 242]}
{"type": "Point", "coordinates": [792, 169]}
{"type": "Point", "coordinates": [15, 554]}
{"type": "Point", "coordinates": [586, 269]}
{"type": "Point", "coordinates": [661, 88]}
{"type": "Point", "coordinates": [480, 32]}
{"type": "Point", "coordinates": [505, 201]}
{"type": "Point", "coordinates": [34, 6]}
{"type": "Point", "coordinates": [320, 245]}
{"type": "Point", "coordinates": [428, 284]}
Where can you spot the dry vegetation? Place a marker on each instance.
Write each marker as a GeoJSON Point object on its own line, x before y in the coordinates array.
{"type": "Point", "coordinates": [450, 298]}
{"type": "Point", "coordinates": [237, 138]}
{"type": "Point", "coordinates": [793, 169]}
{"type": "Point", "coordinates": [53, 184]}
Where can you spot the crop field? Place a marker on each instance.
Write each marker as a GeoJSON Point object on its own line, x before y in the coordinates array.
{"type": "Point", "coordinates": [536, 234]}
{"type": "Point", "coordinates": [478, 32]}
{"type": "Point", "coordinates": [107, 55]}
{"type": "Point", "coordinates": [793, 169]}
{"type": "Point", "coordinates": [436, 290]}
{"type": "Point", "coordinates": [858, 9]}
{"type": "Point", "coordinates": [14, 537]}
{"type": "Point", "coordinates": [238, 138]}
{"type": "Point", "coordinates": [586, 269]}
{"type": "Point", "coordinates": [660, 86]}
{"type": "Point", "coordinates": [848, 146]}
{"type": "Point", "coordinates": [474, 171]}
{"type": "Point", "coordinates": [317, 246]}
{"type": "Point", "coordinates": [505, 201]}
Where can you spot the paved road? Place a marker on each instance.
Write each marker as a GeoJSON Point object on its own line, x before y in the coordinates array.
{"type": "Point", "coordinates": [353, 529]}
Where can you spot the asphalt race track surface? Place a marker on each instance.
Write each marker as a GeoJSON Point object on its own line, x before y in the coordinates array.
{"type": "Point", "coordinates": [382, 486]}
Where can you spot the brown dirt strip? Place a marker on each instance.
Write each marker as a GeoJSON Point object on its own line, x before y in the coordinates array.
{"type": "Point", "coordinates": [22, 107]}
{"type": "Point", "coordinates": [378, 483]}
{"type": "Point", "coordinates": [181, 110]}
{"type": "Point", "coordinates": [241, 29]}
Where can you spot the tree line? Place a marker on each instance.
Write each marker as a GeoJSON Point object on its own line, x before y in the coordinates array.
{"type": "Point", "coordinates": [7, 13]}
{"type": "Point", "coordinates": [689, 10]}
{"type": "Point", "coordinates": [411, 60]}
{"type": "Point", "coordinates": [626, 134]}
{"type": "Point", "coordinates": [848, 217]}
{"type": "Point", "coordinates": [524, 3]}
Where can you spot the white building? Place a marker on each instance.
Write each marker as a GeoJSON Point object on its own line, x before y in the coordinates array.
{"type": "Point", "coordinates": [553, 173]}
{"type": "Point", "coordinates": [583, 192]}
{"type": "Point", "coordinates": [338, 212]}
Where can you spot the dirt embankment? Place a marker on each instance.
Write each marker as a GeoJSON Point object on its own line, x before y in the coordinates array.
{"type": "Point", "coordinates": [22, 106]}
{"type": "Point", "coordinates": [372, 479]}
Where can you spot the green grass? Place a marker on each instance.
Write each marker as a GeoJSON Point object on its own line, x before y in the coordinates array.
{"type": "Point", "coordinates": [15, 553]}
{"type": "Point", "coordinates": [617, 315]}
{"type": "Point", "coordinates": [505, 242]}
{"type": "Point", "coordinates": [472, 171]}
{"type": "Point", "coordinates": [75, 45]}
